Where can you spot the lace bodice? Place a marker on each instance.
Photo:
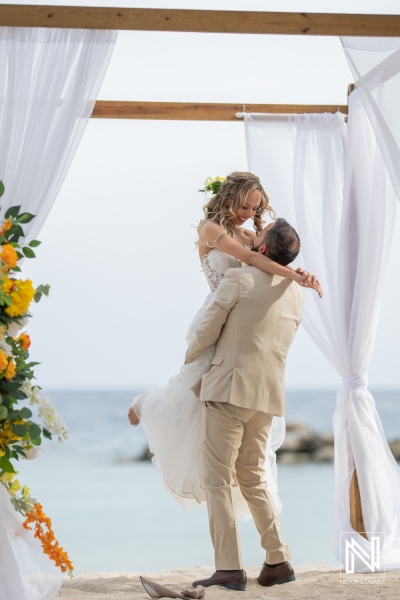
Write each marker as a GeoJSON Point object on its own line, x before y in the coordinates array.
{"type": "Point", "coordinates": [215, 264]}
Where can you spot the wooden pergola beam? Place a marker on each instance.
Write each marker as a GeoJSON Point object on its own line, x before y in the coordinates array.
{"type": "Point", "coordinates": [207, 21]}
{"type": "Point", "coordinates": [195, 111]}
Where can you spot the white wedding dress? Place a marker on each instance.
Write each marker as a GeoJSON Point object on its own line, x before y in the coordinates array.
{"type": "Point", "coordinates": [171, 416]}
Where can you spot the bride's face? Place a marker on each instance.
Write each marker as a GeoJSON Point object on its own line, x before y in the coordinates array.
{"type": "Point", "coordinates": [248, 210]}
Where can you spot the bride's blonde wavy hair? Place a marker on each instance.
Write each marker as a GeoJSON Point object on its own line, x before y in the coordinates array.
{"type": "Point", "coordinates": [222, 208]}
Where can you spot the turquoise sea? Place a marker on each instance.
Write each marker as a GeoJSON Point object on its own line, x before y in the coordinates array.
{"type": "Point", "coordinates": [112, 514]}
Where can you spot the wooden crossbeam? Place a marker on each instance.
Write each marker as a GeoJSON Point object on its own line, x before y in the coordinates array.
{"type": "Point", "coordinates": [195, 111]}
{"type": "Point", "coordinates": [209, 21]}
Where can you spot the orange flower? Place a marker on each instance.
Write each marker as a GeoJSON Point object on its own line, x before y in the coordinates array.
{"type": "Point", "coordinates": [47, 538]}
{"type": "Point", "coordinates": [11, 370]}
{"type": "Point", "coordinates": [24, 340]}
{"type": "Point", "coordinates": [9, 255]}
{"type": "Point", "coordinates": [3, 360]}
{"type": "Point", "coordinates": [5, 227]}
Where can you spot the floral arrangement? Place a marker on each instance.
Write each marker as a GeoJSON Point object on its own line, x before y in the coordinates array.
{"type": "Point", "coordinates": [213, 185]}
{"type": "Point", "coordinates": [44, 532]}
{"type": "Point", "coordinates": [20, 436]}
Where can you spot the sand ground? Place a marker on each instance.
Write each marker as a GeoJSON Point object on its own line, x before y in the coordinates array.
{"type": "Point", "coordinates": [314, 582]}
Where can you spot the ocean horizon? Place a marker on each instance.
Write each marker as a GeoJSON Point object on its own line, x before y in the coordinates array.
{"type": "Point", "coordinates": [111, 512]}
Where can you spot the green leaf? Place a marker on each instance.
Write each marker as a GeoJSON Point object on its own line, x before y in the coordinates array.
{"type": "Point", "coordinates": [29, 253]}
{"type": "Point", "coordinates": [19, 449]}
{"type": "Point", "coordinates": [19, 430]}
{"type": "Point", "coordinates": [25, 218]}
{"type": "Point", "coordinates": [25, 413]}
{"type": "Point", "coordinates": [37, 297]}
{"type": "Point", "coordinates": [36, 441]}
{"type": "Point", "coordinates": [34, 431]}
{"type": "Point", "coordinates": [13, 211]}
{"type": "Point", "coordinates": [1, 188]}
{"type": "Point", "coordinates": [3, 412]}
{"type": "Point", "coordinates": [43, 289]}
{"type": "Point", "coordinates": [17, 231]}
{"type": "Point", "coordinates": [34, 243]}
{"type": "Point", "coordinates": [12, 386]}
{"type": "Point", "coordinates": [6, 466]}
{"type": "Point", "coordinates": [6, 401]}
{"type": "Point", "coordinates": [47, 434]}
{"type": "Point", "coordinates": [16, 269]}
{"type": "Point", "coordinates": [20, 395]}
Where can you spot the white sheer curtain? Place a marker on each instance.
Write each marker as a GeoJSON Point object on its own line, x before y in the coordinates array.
{"type": "Point", "coordinates": [49, 81]}
{"type": "Point", "coordinates": [375, 64]}
{"type": "Point", "coordinates": [344, 207]}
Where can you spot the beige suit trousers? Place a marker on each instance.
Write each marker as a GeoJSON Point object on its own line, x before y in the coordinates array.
{"type": "Point", "coordinates": [234, 441]}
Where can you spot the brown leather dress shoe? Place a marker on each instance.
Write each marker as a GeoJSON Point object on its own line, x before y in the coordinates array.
{"type": "Point", "coordinates": [276, 575]}
{"type": "Point", "coordinates": [233, 580]}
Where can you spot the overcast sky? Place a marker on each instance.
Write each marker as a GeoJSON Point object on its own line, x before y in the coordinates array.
{"type": "Point", "coordinates": [118, 245]}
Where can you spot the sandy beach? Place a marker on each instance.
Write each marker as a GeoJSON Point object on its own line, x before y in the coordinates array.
{"type": "Point", "coordinates": [316, 581]}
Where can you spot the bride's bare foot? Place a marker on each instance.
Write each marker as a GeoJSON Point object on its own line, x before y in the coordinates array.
{"type": "Point", "coordinates": [133, 418]}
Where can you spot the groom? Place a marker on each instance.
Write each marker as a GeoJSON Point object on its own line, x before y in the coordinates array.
{"type": "Point", "coordinates": [252, 320]}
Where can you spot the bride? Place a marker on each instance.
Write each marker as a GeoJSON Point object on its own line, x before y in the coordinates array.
{"type": "Point", "coordinates": [171, 415]}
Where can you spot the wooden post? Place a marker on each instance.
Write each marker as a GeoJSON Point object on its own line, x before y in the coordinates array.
{"type": "Point", "coordinates": [356, 516]}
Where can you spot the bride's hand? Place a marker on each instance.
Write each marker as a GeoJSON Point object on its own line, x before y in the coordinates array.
{"type": "Point", "coordinates": [310, 281]}
{"type": "Point", "coordinates": [132, 417]}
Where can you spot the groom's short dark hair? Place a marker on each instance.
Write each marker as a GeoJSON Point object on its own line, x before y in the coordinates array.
{"type": "Point", "coordinates": [283, 242]}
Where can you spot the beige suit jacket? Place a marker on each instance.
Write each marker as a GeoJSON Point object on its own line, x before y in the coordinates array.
{"type": "Point", "coordinates": [253, 320]}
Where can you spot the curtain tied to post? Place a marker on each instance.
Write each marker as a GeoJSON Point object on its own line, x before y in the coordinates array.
{"type": "Point", "coordinates": [355, 382]}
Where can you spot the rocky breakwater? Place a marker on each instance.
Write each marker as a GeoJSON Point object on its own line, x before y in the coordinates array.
{"type": "Point", "coordinates": [301, 444]}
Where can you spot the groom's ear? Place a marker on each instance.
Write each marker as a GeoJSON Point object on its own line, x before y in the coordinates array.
{"type": "Point", "coordinates": [263, 249]}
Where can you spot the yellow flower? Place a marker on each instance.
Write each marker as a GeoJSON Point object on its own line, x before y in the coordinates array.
{"type": "Point", "coordinates": [26, 492]}
{"type": "Point", "coordinates": [2, 453]}
{"type": "Point", "coordinates": [5, 227]}
{"type": "Point", "coordinates": [8, 285]}
{"type": "Point", "coordinates": [7, 435]}
{"type": "Point", "coordinates": [3, 330]}
{"type": "Point", "coordinates": [21, 298]}
{"type": "Point", "coordinates": [14, 487]}
{"type": "Point", "coordinates": [9, 255]}
{"type": "Point", "coordinates": [11, 370]}
{"type": "Point", "coordinates": [6, 477]}
{"type": "Point", "coordinates": [3, 360]}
